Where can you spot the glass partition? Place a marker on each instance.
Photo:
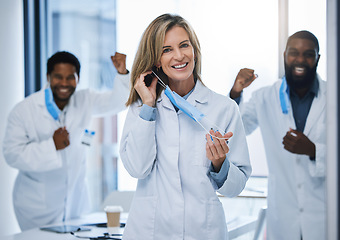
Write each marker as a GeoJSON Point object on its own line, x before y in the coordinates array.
{"type": "Point", "coordinates": [87, 28]}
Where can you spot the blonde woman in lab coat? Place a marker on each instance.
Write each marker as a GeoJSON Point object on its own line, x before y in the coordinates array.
{"type": "Point", "coordinates": [179, 165]}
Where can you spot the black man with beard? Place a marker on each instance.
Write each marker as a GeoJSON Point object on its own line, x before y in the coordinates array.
{"type": "Point", "coordinates": [292, 119]}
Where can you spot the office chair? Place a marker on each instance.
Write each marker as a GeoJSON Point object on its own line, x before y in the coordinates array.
{"type": "Point", "coordinates": [260, 224]}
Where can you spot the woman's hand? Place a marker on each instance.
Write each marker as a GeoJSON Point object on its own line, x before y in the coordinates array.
{"type": "Point", "coordinates": [147, 94]}
{"type": "Point", "coordinates": [217, 149]}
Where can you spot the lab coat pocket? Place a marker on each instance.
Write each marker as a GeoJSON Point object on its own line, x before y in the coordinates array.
{"type": "Point", "coordinates": [217, 227]}
{"type": "Point", "coordinates": [29, 193]}
{"type": "Point", "coordinates": [141, 220]}
{"type": "Point", "coordinates": [316, 134]}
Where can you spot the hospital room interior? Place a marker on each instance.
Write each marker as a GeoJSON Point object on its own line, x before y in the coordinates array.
{"type": "Point", "coordinates": [233, 35]}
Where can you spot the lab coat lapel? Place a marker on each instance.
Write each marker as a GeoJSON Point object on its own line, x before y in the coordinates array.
{"type": "Point", "coordinates": [42, 104]}
{"type": "Point", "coordinates": [317, 108]}
{"type": "Point", "coordinates": [199, 95]}
{"type": "Point", "coordinates": [165, 101]}
{"type": "Point", "coordinates": [70, 109]}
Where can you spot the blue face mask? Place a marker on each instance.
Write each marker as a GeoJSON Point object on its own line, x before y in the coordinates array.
{"type": "Point", "coordinates": [51, 106]}
{"type": "Point", "coordinates": [284, 96]}
{"type": "Point", "coordinates": [183, 105]}
{"type": "Point", "coordinates": [180, 102]}
{"type": "Point", "coordinates": [186, 107]}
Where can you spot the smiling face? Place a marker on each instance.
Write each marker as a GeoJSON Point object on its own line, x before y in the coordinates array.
{"type": "Point", "coordinates": [178, 60]}
{"type": "Point", "coordinates": [63, 80]}
{"type": "Point", "coordinates": [301, 60]}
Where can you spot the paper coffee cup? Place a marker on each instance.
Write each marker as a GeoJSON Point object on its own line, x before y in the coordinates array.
{"type": "Point", "coordinates": [113, 215]}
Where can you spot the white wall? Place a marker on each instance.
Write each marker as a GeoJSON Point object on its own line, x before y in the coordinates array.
{"type": "Point", "coordinates": [11, 92]}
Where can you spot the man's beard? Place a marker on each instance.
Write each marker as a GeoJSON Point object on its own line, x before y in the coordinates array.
{"type": "Point", "coordinates": [302, 82]}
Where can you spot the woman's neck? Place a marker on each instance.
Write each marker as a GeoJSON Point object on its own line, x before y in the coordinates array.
{"type": "Point", "coordinates": [182, 88]}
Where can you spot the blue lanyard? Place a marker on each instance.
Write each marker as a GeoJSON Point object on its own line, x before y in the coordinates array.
{"type": "Point", "coordinates": [51, 106]}
{"type": "Point", "coordinates": [284, 96]}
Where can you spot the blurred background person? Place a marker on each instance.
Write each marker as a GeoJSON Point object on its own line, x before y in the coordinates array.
{"type": "Point", "coordinates": [46, 139]}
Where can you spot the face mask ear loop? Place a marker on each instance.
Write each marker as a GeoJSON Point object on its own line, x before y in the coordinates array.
{"type": "Point", "coordinates": [209, 132]}
{"type": "Point", "coordinates": [159, 80]}
{"type": "Point", "coordinates": [217, 127]}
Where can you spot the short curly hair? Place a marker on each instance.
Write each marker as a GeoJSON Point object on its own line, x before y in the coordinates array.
{"type": "Point", "coordinates": [304, 35]}
{"type": "Point", "coordinates": [63, 57]}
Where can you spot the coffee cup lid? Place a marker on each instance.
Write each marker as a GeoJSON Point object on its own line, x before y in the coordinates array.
{"type": "Point", "coordinates": [112, 208]}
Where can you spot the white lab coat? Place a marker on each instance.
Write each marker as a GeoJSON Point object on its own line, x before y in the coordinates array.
{"type": "Point", "coordinates": [176, 197]}
{"type": "Point", "coordinates": [296, 185]}
{"type": "Point", "coordinates": [51, 185]}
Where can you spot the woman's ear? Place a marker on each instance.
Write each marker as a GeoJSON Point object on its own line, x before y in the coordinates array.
{"type": "Point", "coordinates": [157, 66]}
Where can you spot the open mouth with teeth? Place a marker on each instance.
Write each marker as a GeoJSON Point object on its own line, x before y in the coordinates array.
{"type": "Point", "coordinates": [63, 93]}
{"type": "Point", "coordinates": [180, 66]}
{"type": "Point", "coordinates": [299, 71]}
{"type": "Point", "coordinates": [64, 90]}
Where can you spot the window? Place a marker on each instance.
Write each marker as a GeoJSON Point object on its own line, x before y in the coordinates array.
{"type": "Point", "coordinates": [312, 18]}
{"type": "Point", "coordinates": [88, 30]}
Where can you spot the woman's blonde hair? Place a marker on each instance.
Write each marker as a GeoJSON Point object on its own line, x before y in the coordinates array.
{"type": "Point", "coordinates": [151, 47]}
